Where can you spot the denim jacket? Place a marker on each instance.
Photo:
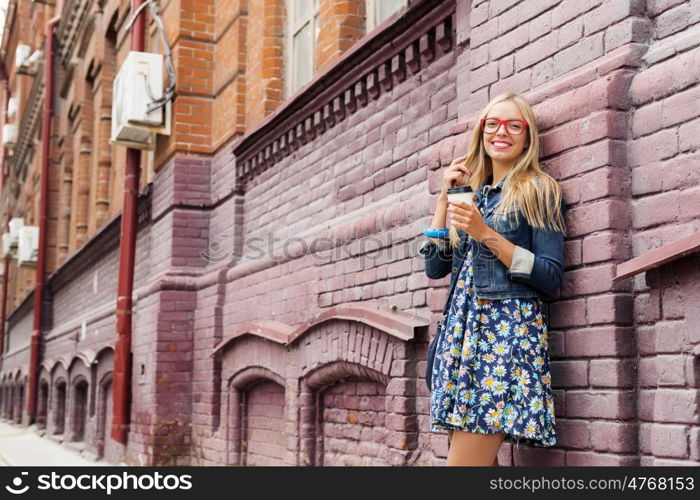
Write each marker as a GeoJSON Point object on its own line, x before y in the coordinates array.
{"type": "Point", "coordinates": [538, 260]}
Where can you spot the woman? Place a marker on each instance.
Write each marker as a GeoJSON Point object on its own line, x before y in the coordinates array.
{"type": "Point", "coordinates": [490, 378]}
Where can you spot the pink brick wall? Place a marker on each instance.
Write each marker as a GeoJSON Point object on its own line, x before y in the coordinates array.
{"type": "Point", "coordinates": [354, 427]}
{"type": "Point", "coordinates": [614, 86]}
{"type": "Point", "coordinates": [265, 438]}
{"type": "Point", "coordinates": [666, 314]}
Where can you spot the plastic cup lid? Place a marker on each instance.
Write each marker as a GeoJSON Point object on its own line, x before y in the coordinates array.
{"type": "Point", "coordinates": [459, 189]}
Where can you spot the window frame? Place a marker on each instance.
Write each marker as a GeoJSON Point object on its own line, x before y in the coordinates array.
{"type": "Point", "coordinates": [371, 13]}
{"type": "Point", "coordinates": [290, 86]}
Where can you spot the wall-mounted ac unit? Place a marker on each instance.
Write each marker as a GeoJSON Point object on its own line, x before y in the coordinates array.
{"type": "Point", "coordinates": [9, 135]}
{"type": "Point", "coordinates": [10, 240]}
{"type": "Point", "coordinates": [28, 246]}
{"type": "Point", "coordinates": [16, 223]}
{"type": "Point", "coordinates": [21, 55]}
{"type": "Point", "coordinates": [8, 250]}
{"type": "Point", "coordinates": [139, 82]}
{"type": "Point", "coordinates": [12, 105]}
{"type": "Point", "coordinates": [27, 64]}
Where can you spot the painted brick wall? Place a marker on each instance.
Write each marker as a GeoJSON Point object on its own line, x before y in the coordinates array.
{"type": "Point", "coordinates": [614, 87]}
{"type": "Point", "coordinates": [666, 316]}
{"type": "Point", "coordinates": [665, 170]}
{"type": "Point", "coordinates": [354, 427]}
{"type": "Point", "coordinates": [265, 425]}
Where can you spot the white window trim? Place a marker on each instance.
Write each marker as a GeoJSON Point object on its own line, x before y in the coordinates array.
{"type": "Point", "coordinates": [371, 13]}
{"type": "Point", "coordinates": [289, 85]}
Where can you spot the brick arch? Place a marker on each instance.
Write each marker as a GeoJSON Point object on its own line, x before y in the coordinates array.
{"type": "Point", "coordinates": [62, 362]}
{"type": "Point", "coordinates": [399, 324]}
{"type": "Point", "coordinates": [253, 374]}
{"type": "Point", "coordinates": [330, 374]}
{"type": "Point", "coordinates": [104, 376]}
{"type": "Point", "coordinates": [59, 398]}
{"type": "Point", "coordinates": [364, 362]}
{"type": "Point", "coordinates": [356, 343]}
{"type": "Point", "coordinates": [3, 397]}
{"type": "Point", "coordinates": [256, 406]}
{"type": "Point", "coordinates": [43, 396]}
{"type": "Point", "coordinates": [78, 406]}
{"type": "Point", "coordinates": [19, 396]}
{"type": "Point", "coordinates": [355, 347]}
{"type": "Point", "coordinates": [343, 404]}
{"type": "Point", "coordinates": [78, 364]}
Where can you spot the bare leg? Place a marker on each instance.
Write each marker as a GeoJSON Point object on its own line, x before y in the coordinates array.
{"type": "Point", "coordinates": [467, 448]}
{"type": "Point", "coordinates": [449, 439]}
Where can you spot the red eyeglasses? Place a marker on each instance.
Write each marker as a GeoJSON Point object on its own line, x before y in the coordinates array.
{"type": "Point", "coordinates": [514, 127]}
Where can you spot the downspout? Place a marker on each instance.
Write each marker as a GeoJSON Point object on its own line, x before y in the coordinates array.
{"type": "Point", "coordinates": [5, 279]}
{"type": "Point", "coordinates": [121, 392]}
{"type": "Point", "coordinates": [44, 193]}
{"type": "Point", "coordinates": [6, 261]}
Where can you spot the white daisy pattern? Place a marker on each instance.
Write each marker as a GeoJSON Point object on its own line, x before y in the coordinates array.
{"type": "Point", "coordinates": [491, 371]}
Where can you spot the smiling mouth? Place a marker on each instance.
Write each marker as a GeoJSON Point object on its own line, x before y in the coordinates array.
{"type": "Point", "coordinates": [500, 144]}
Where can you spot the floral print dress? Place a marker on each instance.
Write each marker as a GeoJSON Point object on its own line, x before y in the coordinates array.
{"type": "Point", "coordinates": [491, 369]}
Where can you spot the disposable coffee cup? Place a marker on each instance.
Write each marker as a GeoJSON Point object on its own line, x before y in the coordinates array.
{"type": "Point", "coordinates": [459, 193]}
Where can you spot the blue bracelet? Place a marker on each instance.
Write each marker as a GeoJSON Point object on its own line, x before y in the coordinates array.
{"type": "Point", "coordinates": [432, 232]}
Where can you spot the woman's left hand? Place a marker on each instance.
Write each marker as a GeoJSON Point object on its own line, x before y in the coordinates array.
{"type": "Point", "coordinates": [466, 216]}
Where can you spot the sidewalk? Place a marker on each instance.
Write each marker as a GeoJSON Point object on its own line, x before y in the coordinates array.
{"type": "Point", "coordinates": [20, 446]}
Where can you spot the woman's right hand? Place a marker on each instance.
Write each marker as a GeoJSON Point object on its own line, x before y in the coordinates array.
{"type": "Point", "coordinates": [455, 175]}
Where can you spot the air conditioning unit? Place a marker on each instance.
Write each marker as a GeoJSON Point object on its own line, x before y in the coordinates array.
{"type": "Point", "coordinates": [139, 82]}
{"type": "Point", "coordinates": [28, 246]}
{"type": "Point", "coordinates": [12, 105]}
{"type": "Point", "coordinates": [21, 55]}
{"type": "Point", "coordinates": [27, 65]}
{"type": "Point", "coordinates": [9, 135]}
{"type": "Point", "coordinates": [7, 248]}
{"type": "Point", "coordinates": [10, 240]}
{"type": "Point", "coordinates": [16, 223]}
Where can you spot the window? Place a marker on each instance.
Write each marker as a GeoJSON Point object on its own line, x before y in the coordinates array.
{"type": "Point", "coordinates": [302, 34]}
{"type": "Point", "coordinates": [379, 11]}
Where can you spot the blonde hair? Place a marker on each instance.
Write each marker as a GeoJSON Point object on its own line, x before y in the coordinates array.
{"type": "Point", "coordinates": [527, 189]}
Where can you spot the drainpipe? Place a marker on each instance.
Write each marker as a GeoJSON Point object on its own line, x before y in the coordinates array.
{"type": "Point", "coordinates": [121, 390]}
{"type": "Point", "coordinates": [44, 190]}
{"type": "Point", "coordinates": [5, 279]}
{"type": "Point", "coordinates": [6, 261]}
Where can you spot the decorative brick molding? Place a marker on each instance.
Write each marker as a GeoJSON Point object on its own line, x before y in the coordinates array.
{"type": "Point", "coordinates": [252, 375]}
{"type": "Point", "coordinates": [330, 374]}
{"type": "Point", "coordinates": [423, 33]}
{"type": "Point", "coordinates": [398, 324]}
{"type": "Point", "coordinates": [272, 330]}
{"type": "Point", "coordinates": [357, 354]}
{"type": "Point", "coordinates": [71, 28]}
{"type": "Point", "coordinates": [28, 125]}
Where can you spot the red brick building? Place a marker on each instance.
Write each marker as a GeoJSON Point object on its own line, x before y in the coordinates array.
{"type": "Point", "coordinates": [281, 310]}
